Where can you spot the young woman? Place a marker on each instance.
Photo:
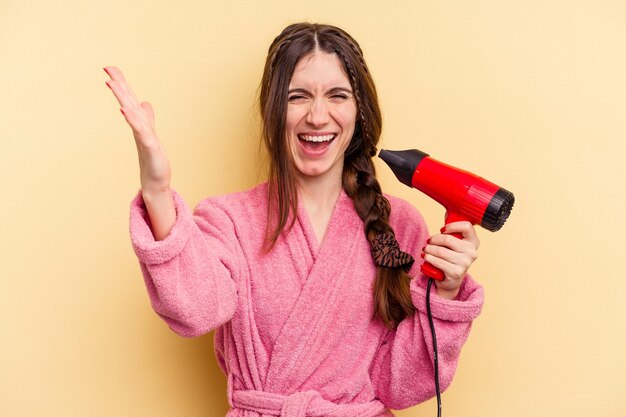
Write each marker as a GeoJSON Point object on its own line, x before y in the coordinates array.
{"type": "Point", "coordinates": [309, 279]}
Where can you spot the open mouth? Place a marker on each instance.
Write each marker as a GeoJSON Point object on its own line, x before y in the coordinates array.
{"type": "Point", "coordinates": [313, 139]}
{"type": "Point", "coordinates": [315, 146]}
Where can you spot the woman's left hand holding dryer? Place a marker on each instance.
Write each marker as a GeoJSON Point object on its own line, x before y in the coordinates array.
{"type": "Point", "coordinates": [452, 255]}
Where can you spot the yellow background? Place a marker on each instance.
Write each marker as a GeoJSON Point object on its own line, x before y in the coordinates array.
{"type": "Point", "coordinates": [530, 95]}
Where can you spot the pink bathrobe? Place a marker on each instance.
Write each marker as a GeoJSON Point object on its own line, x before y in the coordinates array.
{"type": "Point", "coordinates": [294, 329]}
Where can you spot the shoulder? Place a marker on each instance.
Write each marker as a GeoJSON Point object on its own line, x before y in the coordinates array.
{"type": "Point", "coordinates": [402, 211]}
{"type": "Point", "coordinates": [252, 198]}
{"type": "Point", "coordinates": [248, 206]}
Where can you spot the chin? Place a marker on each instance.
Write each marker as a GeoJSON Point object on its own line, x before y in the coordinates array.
{"type": "Point", "coordinates": [319, 172]}
{"type": "Point", "coordinates": [312, 173]}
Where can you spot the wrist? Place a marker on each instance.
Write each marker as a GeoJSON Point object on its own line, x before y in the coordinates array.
{"type": "Point", "coordinates": [447, 294]}
{"type": "Point", "coordinates": [155, 193]}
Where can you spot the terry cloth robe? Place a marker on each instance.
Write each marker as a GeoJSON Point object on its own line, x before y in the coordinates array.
{"type": "Point", "coordinates": [294, 328]}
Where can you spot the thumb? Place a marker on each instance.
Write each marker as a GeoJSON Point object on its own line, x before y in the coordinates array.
{"type": "Point", "coordinates": [147, 107]}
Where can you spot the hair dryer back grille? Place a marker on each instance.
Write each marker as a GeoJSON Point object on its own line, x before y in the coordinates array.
{"type": "Point", "coordinates": [498, 210]}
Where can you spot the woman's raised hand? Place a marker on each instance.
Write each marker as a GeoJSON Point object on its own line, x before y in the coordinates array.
{"type": "Point", "coordinates": [154, 166]}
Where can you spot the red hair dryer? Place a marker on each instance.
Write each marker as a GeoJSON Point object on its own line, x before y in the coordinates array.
{"type": "Point", "coordinates": [465, 196]}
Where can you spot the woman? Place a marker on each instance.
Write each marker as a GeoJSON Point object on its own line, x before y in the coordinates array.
{"type": "Point", "coordinates": [316, 309]}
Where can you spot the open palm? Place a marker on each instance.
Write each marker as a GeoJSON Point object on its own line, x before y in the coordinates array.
{"type": "Point", "coordinates": [155, 171]}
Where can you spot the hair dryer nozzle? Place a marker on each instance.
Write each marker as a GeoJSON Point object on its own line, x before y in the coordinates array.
{"type": "Point", "coordinates": [403, 163]}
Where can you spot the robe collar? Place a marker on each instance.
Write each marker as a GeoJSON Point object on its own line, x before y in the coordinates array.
{"type": "Point", "coordinates": [304, 341]}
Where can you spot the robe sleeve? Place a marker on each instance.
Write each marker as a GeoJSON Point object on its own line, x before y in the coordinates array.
{"type": "Point", "coordinates": [190, 275]}
{"type": "Point", "coordinates": [403, 369]}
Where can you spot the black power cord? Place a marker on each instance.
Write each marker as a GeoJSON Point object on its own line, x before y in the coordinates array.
{"type": "Point", "coordinates": [432, 332]}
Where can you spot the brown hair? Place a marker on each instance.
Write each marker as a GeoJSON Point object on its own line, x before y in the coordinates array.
{"type": "Point", "coordinates": [392, 300]}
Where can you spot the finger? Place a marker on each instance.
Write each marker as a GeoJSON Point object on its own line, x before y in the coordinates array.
{"type": "Point", "coordinates": [466, 229]}
{"type": "Point", "coordinates": [115, 73]}
{"type": "Point", "coordinates": [120, 87]}
{"type": "Point", "coordinates": [449, 269]}
{"type": "Point", "coordinates": [123, 93]}
{"type": "Point", "coordinates": [463, 259]}
{"type": "Point", "coordinates": [453, 243]}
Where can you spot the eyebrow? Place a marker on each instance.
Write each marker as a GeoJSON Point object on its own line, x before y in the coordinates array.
{"type": "Point", "coordinates": [331, 91]}
{"type": "Point", "coordinates": [340, 90]}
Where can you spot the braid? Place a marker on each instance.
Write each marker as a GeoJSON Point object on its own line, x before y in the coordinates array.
{"type": "Point", "coordinates": [356, 49]}
{"type": "Point", "coordinates": [392, 300]}
{"type": "Point", "coordinates": [363, 132]}
{"type": "Point", "coordinates": [277, 45]}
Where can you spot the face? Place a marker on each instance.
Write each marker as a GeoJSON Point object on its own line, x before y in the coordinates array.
{"type": "Point", "coordinates": [321, 116]}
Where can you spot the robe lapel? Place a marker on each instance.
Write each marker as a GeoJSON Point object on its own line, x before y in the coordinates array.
{"type": "Point", "coordinates": [301, 248]}
{"type": "Point", "coordinates": [307, 339]}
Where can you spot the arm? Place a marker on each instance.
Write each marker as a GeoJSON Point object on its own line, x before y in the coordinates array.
{"type": "Point", "coordinates": [191, 274]}
{"type": "Point", "coordinates": [154, 166]}
{"type": "Point", "coordinates": [402, 372]}
{"type": "Point", "coordinates": [161, 212]}
{"type": "Point", "coordinates": [189, 263]}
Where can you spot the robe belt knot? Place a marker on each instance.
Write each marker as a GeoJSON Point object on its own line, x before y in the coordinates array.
{"type": "Point", "coordinates": [302, 404]}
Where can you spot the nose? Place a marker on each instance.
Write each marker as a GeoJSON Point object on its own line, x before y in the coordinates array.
{"type": "Point", "coordinates": [318, 114]}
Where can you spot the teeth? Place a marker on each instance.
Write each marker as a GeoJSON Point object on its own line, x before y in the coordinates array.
{"type": "Point", "coordinates": [324, 138]}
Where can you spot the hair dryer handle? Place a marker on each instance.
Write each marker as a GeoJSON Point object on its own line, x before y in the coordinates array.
{"type": "Point", "coordinates": [432, 272]}
{"type": "Point", "coordinates": [427, 268]}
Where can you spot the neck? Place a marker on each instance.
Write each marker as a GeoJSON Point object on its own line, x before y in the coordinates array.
{"type": "Point", "coordinates": [319, 193]}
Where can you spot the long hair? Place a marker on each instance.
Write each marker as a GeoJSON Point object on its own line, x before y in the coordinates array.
{"type": "Point", "coordinates": [392, 300]}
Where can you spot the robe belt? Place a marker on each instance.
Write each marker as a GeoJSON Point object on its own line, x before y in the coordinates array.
{"type": "Point", "coordinates": [302, 404]}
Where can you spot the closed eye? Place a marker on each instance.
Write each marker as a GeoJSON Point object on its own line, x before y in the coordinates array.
{"type": "Point", "coordinates": [339, 97]}
{"type": "Point", "coordinates": [297, 98]}
{"type": "Point", "coordinates": [339, 94]}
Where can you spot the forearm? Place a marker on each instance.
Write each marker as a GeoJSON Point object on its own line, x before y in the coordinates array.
{"type": "Point", "coordinates": [400, 370]}
{"type": "Point", "coordinates": [403, 373]}
{"type": "Point", "coordinates": [161, 212]}
{"type": "Point", "coordinates": [190, 274]}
